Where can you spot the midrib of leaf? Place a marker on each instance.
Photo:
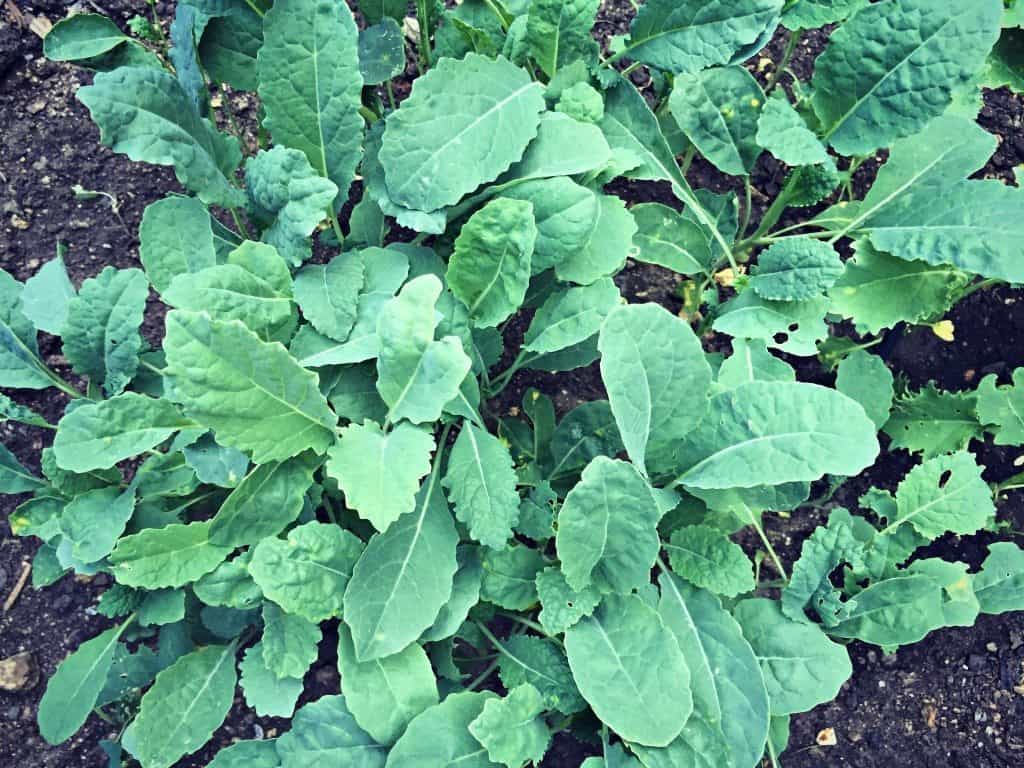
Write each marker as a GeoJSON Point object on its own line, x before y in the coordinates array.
{"type": "Point", "coordinates": [316, 94]}
{"type": "Point", "coordinates": [695, 553]}
{"type": "Point", "coordinates": [686, 26]}
{"type": "Point", "coordinates": [886, 606]}
{"type": "Point", "coordinates": [712, 692]}
{"type": "Point", "coordinates": [639, 697]}
{"type": "Point", "coordinates": [457, 138]}
{"type": "Point", "coordinates": [493, 281]}
{"type": "Point", "coordinates": [925, 507]}
{"type": "Point", "coordinates": [98, 660]}
{"type": "Point", "coordinates": [17, 472]}
{"type": "Point", "coordinates": [746, 443]}
{"type": "Point", "coordinates": [723, 126]}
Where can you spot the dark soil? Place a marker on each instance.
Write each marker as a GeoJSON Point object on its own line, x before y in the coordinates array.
{"type": "Point", "coordinates": [955, 699]}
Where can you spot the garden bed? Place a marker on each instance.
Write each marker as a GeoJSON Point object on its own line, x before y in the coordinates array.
{"type": "Point", "coordinates": [956, 698]}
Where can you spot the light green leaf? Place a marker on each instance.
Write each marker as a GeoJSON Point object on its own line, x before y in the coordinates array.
{"type": "Point", "coordinates": [14, 478]}
{"type": "Point", "coordinates": [289, 642]}
{"type": "Point", "coordinates": [99, 435]}
{"type": "Point", "coordinates": [81, 36]}
{"type": "Point", "coordinates": [666, 238]}
{"type": "Point", "coordinates": [533, 660]}
{"type": "Point", "coordinates": [751, 361]}
{"type": "Point", "coordinates": [610, 654]}
{"type": "Point", "coordinates": [867, 379]}
{"type": "Point", "coordinates": [571, 316]}
{"type": "Point", "coordinates": [263, 261]}
{"type": "Point", "coordinates": [563, 147]}
{"type": "Point", "coordinates": [171, 556]}
{"type": "Point", "coordinates": [607, 528]}
{"type": "Point", "coordinates": [267, 500]}
{"type": "Point", "coordinates": [565, 215]}
{"type": "Point", "coordinates": [558, 33]}
{"type": "Point", "coordinates": [229, 585]}
{"type": "Point", "coordinates": [176, 238]}
{"type": "Point", "coordinates": [782, 131]}
{"type": "Point", "coordinates": [509, 577]}
{"type": "Point", "coordinates": [324, 732]}
{"type": "Point", "coordinates": [186, 704]}
{"type": "Point", "coordinates": [214, 464]}
{"type": "Point", "coordinates": [265, 692]}
{"type": "Point", "coordinates": [310, 86]}
{"type": "Point", "coordinates": [381, 52]}
{"type": "Point", "coordinates": [489, 270]}
{"type": "Point", "coordinates": [960, 605]}
{"type": "Point", "coordinates": [12, 411]}
{"type": "Point", "coordinates": [74, 688]}
{"type": "Point", "coordinates": [796, 269]}
{"type": "Point", "coordinates": [254, 753]}
{"type": "Point", "coordinates": [355, 396]}
{"type": "Point", "coordinates": [877, 290]}
{"type": "Point", "coordinates": [795, 327]}
{"type": "Point", "coordinates": [1000, 584]}
{"type": "Point", "coordinates": [440, 736]}
{"type": "Point", "coordinates": [93, 522]}
{"type": "Point", "coordinates": [774, 432]}
{"type": "Point", "coordinates": [230, 45]}
{"type": "Point", "coordinates": [283, 187]}
{"type": "Point", "coordinates": [810, 14]}
{"type": "Point", "coordinates": [939, 45]}
{"type": "Point", "coordinates": [511, 728]}
{"type": "Point", "coordinates": [653, 367]}
{"type": "Point", "coordinates": [481, 484]}
{"type": "Point", "coordinates": [932, 422]}
{"type": "Point", "coordinates": [20, 366]}
{"type": "Point", "coordinates": [417, 375]}
{"type": "Point", "coordinates": [894, 612]}
{"type": "Point", "coordinates": [146, 114]}
{"type": "Point", "coordinates": [465, 123]}
{"type": "Point", "coordinates": [802, 667]}
{"type": "Point", "coordinates": [706, 558]}
{"type": "Point", "coordinates": [101, 335]}
{"type": "Point", "coordinates": [44, 300]}
{"type": "Point", "coordinates": [380, 473]}
{"type": "Point", "coordinates": [253, 394]}
{"type": "Point", "coordinates": [718, 110]}
{"type": "Point", "coordinates": [561, 605]}
{"type": "Point", "coordinates": [691, 35]}
{"type": "Point", "coordinates": [375, 10]}
{"type": "Point", "coordinates": [385, 694]}
{"type": "Point", "coordinates": [585, 432]}
{"type": "Point", "coordinates": [1001, 409]}
{"type": "Point", "coordinates": [465, 595]}
{"type": "Point", "coordinates": [403, 578]}
{"type": "Point", "coordinates": [307, 573]}
{"type": "Point", "coordinates": [610, 243]}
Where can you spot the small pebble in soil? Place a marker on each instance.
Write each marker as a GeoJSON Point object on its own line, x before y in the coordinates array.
{"type": "Point", "coordinates": [19, 672]}
{"type": "Point", "coordinates": [827, 737]}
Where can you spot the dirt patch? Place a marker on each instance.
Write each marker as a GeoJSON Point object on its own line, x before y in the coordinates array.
{"type": "Point", "coordinates": [949, 700]}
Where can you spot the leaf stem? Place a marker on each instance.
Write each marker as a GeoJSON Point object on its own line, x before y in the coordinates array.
{"type": "Point", "coordinates": [423, 18]}
{"type": "Point", "coordinates": [482, 677]}
{"type": "Point", "coordinates": [240, 224]}
{"type": "Point", "coordinates": [336, 225]}
{"type": "Point", "coordinates": [255, 8]}
{"type": "Point", "coordinates": [780, 70]}
{"type": "Point", "coordinates": [776, 561]}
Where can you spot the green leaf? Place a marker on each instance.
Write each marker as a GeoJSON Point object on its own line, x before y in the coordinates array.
{"type": "Point", "coordinates": [666, 238]}
{"type": "Point", "coordinates": [795, 327]}
{"type": "Point", "coordinates": [186, 704]}
{"type": "Point", "coordinates": [381, 52]}
{"type": "Point", "coordinates": [416, 374]}
{"type": "Point", "coordinates": [999, 585]}
{"type": "Point", "coordinates": [867, 379]}
{"type": "Point", "coordinates": [440, 736]}
{"type": "Point", "coordinates": [380, 473]}
{"type": "Point", "coordinates": [254, 753]}
{"type": "Point", "coordinates": [355, 395]}
{"type": "Point", "coordinates": [289, 642]}
{"type": "Point", "coordinates": [481, 484]}
{"type": "Point", "coordinates": [310, 86]}
{"type": "Point", "coordinates": [605, 252]}
{"type": "Point", "coordinates": [285, 189]}
{"type": "Point", "coordinates": [932, 422]}
{"type": "Point", "coordinates": [20, 366]}
{"type": "Point", "coordinates": [802, 667]}
{"type": "Point", "coordinates": [571, 316]}
{"type": "Point", "coordinates": [324, 731]}
{"type": "Point", "coordinates": [465, 595]}
{"type": "Point", "coordinates": [176, 238]}
{"type": "Point", "coordinates": [45, 297]}
{"type": "Point", "coordinates": [99, 435]}
{"type": "Point", "coordinates": [81, 36]}
{"type": "Point", "coordinates": [894, 612]}
{"type": "Point", "coordinates": [533, 660]}
{"type": "Point", "coordinates": [254, 395]}
{"type": "Point", "coordinates": [214, 464]}
{"type": "Point", "coordinates": [653, 367]}
{"type": "Point", "coordinates": [751, 361]}
{"type": "Point", "coordinates": [810, 14]}
{"type": "Point", "coordinates": [146, 114]}
{"type": "Point", "coordinates": [267, 500]}
{"type": "Point", "coordinates": [511, 728]}
{"type": "Point", "coordinates": [610, 654]}
{"type": "Point", "coordinates": [688, 36]}
{"type": "Point", "coordinates": [608, 528]}
{"type": "Point", "coordinates": [706, 558]}
{"type": "Point", "coordinates": [585, 432]}
{"type": "Point", "coordinates": [867, 103]}
{"type": "Point", "coordinates": [14, 478]}
{"type": "Point", "coordinates": [730, 703]}
{"type": "Point", "coordinates": [74, 688]}
{"type": "Point", "coordinates": [385, 694]}
{"type": "Point", "coordinates": [490, 268]}
{"type": "Point", "coordinates": [944, 494]}
{"type": "Point", "coordinates": [265, 692]}
{"type": "Point", "coordinates": [718, 110]}
{"type": "Point", "coordinates": [375, 10]}
{"type": "Point", "coordinates": [101, 335]}
{"type": "Point", "coordinates": [229, 585]}
{"type": "Point", "coordinates": [796, 269]}
{"type": "Point", "coordinates": [509, 577]}
{"type": "Point", "coordinates": [230, 45]}
{"type": "Point", "coordinates": [561, 605]}
{"type": "Point", "coordinates": [12, 411]}
{"type": "Point", "coordinates": [93, 522]}
{"type": "Point", "coordinates": [1001, 408]}
{"type": "Point", "coordinates": [307, 574]}
{"type": "Point", "coordinates": [558, 33]}
{"type": "Point", "coordinates": [782, 131]}
{"type": "Point", "coordinates": [960, 605]}
{"type": "Point", "coordinates": [565, 215]}
{"type": "Point", "coordinates": [466, 121]}
{"type": "Point", "coordinates": [403, 578]}
{"type": "Point", "coordinates": [774, 432]}
{"type": "Point", "coordinates": [877, 290]}
{"type": "Point", "coordinates": [563, 147]}
{"type": "Point", "coordinates": [171, 556]}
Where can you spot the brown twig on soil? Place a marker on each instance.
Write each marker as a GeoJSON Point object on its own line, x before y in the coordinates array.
{"type": "Point", "coordinates": [16, 14]}
{"type": "Point", "coordinates": [26, 569]}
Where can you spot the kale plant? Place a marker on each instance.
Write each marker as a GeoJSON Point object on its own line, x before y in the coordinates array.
{"type": "Point", "coordinates": [317, 439]}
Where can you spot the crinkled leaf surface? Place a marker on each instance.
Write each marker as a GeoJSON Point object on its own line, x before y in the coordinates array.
{"type": "Point", "coordinates": [782, 131]}
{"type": "Point", "coordinates": [932, 422]}
{"type": "Point", "coordinates": [561, 605]}
{"type": "Point", "coordinates": [171, 556]}
{"type": "Point", "coordinates": [325, 731]}
{"type": "Point", "coordinates": [289, 642]}
{"type": "Point", "coordinates": [268, 694]}
{"type": "Point", "coordinates": [92, 522]}
{"type": "Point", "coordinates": [565, 215]}
{"type": "Point", "coordinates": [666, 238]}
{"type": "Point", "coordinates": [796, 269]}
{"type": "Point", "coordinates": [440, 736]}
{"type": "Point", "coordinates": [534, 660]}
{"type": "Point", "coordinates": [706, 558]}
{"type": "Point", "coordinates": [511, 728]}
{"type": "Point", "coordinates": [1001, 409]}
{"type": "Point", "coordinates": [510, 577]}
{"type": "Point", "coordinates": [867, 379]}
{"type": "Point", "coordinates": [1000, 584]}
{"type": "Point", "coordinates": [558, 32]}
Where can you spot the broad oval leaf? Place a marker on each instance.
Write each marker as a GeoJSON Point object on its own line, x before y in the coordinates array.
{"type": "Point", "coordinates": [171, 556]}
{"type": "Point", "coordinates": [440, 736]}
{"type": "Point", "coordinates": [571, 316]}
{"type": "Point", "coordinates": [707, 558]}
{"type": "Point", "coordinates": [558, 32]}
{"type": "Point", "coordinates": [176, 238]}
{"type": "Point", "coordinates": [324, 732]}
{"type": "Point", "coordinates": [81, 36]}
{"type": "Point", "coordinates": [328, 294]}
